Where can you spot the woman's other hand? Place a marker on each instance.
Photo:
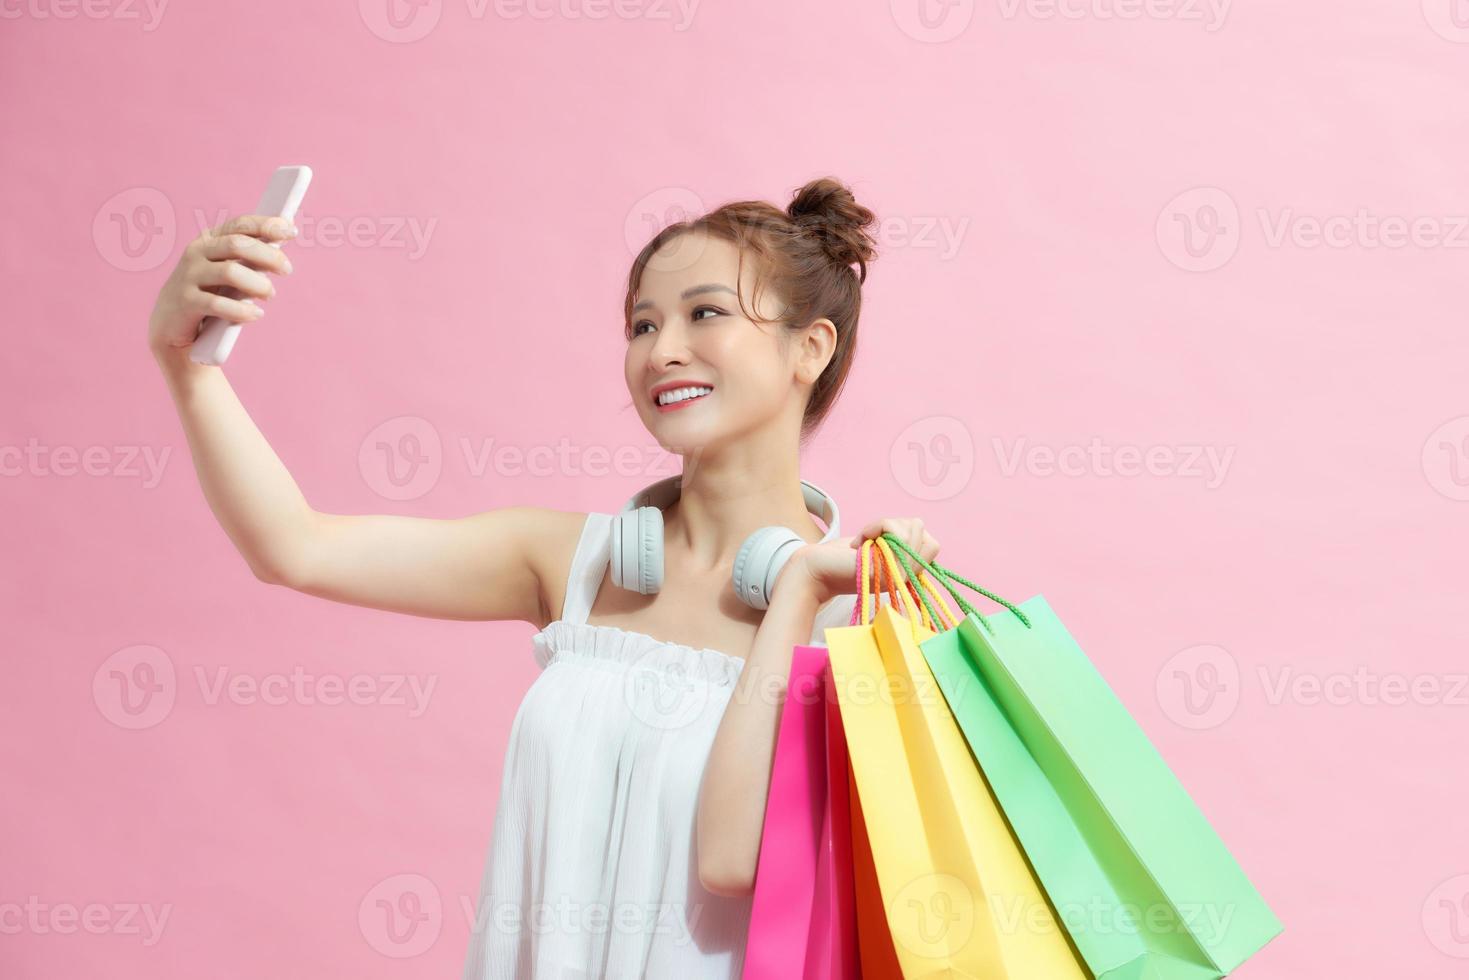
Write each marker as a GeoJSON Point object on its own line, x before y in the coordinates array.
{"type": "Point", "coordinates": [830, 569]}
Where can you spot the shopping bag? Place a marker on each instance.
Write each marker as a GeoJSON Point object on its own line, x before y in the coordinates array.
{"type": "Point", "coordinates": [1141, 881]}
{"type": "Point", "coordinates": [878, 958]}
{"type": "Point", "coordinates": [958, 897]}
{"type": "Point", "coordinates": [832, 949]}
{"type": "Point", "coordinates": [802, 919]}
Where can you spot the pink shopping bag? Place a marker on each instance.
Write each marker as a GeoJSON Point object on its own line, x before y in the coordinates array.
{"type": "Point", "coordinates": [802, 918]}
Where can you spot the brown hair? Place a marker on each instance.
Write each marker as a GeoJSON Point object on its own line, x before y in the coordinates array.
{"type": "Point", "coordinates": [807, 252]}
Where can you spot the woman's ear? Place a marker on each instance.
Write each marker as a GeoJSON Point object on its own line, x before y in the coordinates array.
{"type": "Point", "coordinates": [818, 344]}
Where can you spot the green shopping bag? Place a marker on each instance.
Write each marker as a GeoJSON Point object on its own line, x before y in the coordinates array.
{"type": "Point", "coordinates": [1141, 881]}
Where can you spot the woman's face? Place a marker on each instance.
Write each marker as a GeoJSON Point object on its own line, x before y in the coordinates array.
{"type": "Point", "coordinates": [688, 330]}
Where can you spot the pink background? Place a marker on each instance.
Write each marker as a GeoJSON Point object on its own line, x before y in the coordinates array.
{"type": "Point", "coordinates": [1046, 279]}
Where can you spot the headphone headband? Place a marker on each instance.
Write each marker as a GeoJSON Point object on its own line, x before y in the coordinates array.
{"type": "Point", "coordinates": [666, 491]}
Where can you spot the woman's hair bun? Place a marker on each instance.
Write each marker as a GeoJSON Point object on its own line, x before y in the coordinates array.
{"type": "Point", "coordinates": [826, 209]}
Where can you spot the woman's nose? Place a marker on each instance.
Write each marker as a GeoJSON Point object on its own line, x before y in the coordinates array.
{"type": "Point", "coordinates": [669, 346]}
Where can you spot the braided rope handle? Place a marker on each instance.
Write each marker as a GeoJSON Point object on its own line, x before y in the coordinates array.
{"type": "Point", "coordinates": [869, 585]}
{"type": "Point", "coordinates": [921, 599]}
{"type": "Point", "coordinates": [947, 577]}
{"type": "Point", "coordinates": [939, 615]}
{"type": "Point", "coordinates": [936, 614]}
{"type": "Point", "coordinates": [914, 613]}
{"type": "Point", "coordinates": [949, 618]}
{"type": "Point", "coordinates": [874, 577]}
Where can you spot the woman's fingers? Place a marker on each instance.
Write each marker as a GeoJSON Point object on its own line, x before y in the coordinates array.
{"type": "Point", "coordinates": [229, 264]}
{"type": "Point", "coordinates": [898, 526]}
{"type": "Point", "coordinates": [928, 548]}
{"type": "Point", "coordinates": [269, 228]}
{"type": "Point", "coordinates": [237, 276]}
{"type": "Point", "coordinates": [243, 248]}
{"type": "Point", "coordinates": [909, 530]}
{"type": "Point", "coordinates": [225, 307]}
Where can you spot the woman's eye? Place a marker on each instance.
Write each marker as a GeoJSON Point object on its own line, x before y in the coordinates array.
{"type": "Point", "coordinates": [637, 329]}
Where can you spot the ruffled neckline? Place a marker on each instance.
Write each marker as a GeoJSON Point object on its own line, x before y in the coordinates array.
{"type": "Point", "coordinates": [563, 640]}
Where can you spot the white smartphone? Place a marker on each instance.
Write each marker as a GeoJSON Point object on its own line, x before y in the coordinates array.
{"type": "Point", "coordinates": [281, 199]}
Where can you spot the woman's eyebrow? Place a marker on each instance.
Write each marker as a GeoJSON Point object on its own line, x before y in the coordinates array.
{"type": "Point", "coordinates": [708, 287]}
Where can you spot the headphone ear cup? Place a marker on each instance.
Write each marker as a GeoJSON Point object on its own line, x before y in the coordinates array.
{"type": "Point", "coordinates": [759, 562]}
{"type": "Point", "coordinates": [650, 550]}
{"type": "Point", "coordinates": [637, 550]}
{"type": "Point", "coordinates": [615, 540]}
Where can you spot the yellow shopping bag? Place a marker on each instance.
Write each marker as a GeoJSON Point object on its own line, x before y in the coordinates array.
{"type": "Point", "coordinates": [959, 897]}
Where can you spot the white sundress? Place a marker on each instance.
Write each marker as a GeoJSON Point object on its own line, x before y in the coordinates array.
{"type": "Point", "coordinates": [592, 869]}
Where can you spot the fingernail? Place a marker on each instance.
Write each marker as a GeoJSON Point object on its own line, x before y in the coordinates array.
{"type": "Point", "coordinates": [289, 268]}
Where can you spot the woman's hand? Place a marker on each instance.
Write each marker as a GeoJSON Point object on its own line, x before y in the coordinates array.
{"type": "Point", "coordinates": [830, 569]}
{"type": "Point", "coordinates": [217, 274]}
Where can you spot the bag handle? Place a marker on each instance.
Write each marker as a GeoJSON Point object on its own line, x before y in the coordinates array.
{"type": "Point", "coordinates": [938, 615]}
{"type": "Point", "coordinates": [872, 581]}
{"type": "Point", "coordinates": [947, 577]}
{"type": "Point", "coordinates": [878, 566]}
{"type": "Point", "coordinates": [866, 586]}
{"type": "Point", "coordinates": [921, 589]}
{"type": "Point", "coordinates": [930, 594]}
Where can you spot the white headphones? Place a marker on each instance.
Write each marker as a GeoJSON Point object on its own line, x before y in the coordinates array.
{"type": "Point", "coordinates": [637, 543]}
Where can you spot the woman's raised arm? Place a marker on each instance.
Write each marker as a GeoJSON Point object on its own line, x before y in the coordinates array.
{"type": "Point", "coordinates": [485, 566]}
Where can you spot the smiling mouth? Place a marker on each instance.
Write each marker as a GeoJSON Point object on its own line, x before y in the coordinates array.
{"type": "Point", "coordinates": [683, 396]}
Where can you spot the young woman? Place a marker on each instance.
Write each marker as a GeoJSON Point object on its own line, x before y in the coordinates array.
{"type": "Point", "coordinates": [633, 796]}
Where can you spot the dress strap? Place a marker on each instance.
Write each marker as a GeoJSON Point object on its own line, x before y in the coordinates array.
{"type": "Point", "coordinates": [588, 567]}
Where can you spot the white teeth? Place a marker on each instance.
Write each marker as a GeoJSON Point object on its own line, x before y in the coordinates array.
{"type": "Point", "coordinates": [682, 394]}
